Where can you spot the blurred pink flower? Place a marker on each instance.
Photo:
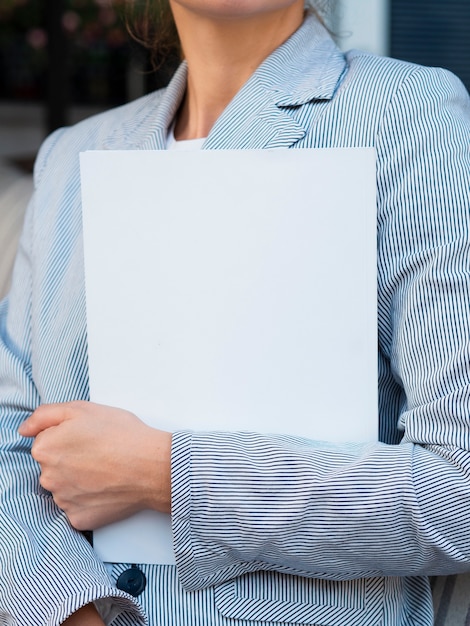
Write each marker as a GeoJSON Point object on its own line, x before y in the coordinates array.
{"type": "Point", "coordinates": [107, 16]}
{"type": "Point", "coordinates": [37, 38]}
{"type": "Point", "coordinates": [71, 21]}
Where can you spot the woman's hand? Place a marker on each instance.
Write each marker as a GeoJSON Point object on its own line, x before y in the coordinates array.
{"type": "Point", "coordinates": [101, 464]}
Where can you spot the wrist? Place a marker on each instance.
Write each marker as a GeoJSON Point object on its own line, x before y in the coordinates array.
{"type": "Point", "coordinates": [158, 471]}
{"type": "Point", "coordinates": [86, 616]}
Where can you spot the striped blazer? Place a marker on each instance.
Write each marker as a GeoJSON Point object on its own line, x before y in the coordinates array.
{"type": "Point", "coordinates": [270, 529]}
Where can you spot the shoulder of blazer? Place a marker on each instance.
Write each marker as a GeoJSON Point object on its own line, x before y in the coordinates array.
{"type": "Point", "coordinates": [96, 132]}
{"type": "Point", "coordinates": [116, 129]}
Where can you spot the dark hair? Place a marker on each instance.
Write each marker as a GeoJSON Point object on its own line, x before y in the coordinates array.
{"type": "Point", "coordinates": [150, 23]}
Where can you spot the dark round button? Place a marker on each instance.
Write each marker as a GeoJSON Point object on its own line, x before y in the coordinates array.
{"type": "Point", "coordinates": [132, 581]}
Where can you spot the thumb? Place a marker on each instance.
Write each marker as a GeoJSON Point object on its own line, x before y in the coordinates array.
{"type": "Point", "coordinates": [45, 416]}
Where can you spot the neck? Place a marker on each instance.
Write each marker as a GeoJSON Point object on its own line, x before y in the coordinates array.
{"type": "Point", "coordinates": [222, 54]}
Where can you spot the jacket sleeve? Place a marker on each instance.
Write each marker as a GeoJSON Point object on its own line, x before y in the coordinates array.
{"type": "Point", "coordinates": [48, 570]}
{"type": "Point", "coordinates": [245, 501]}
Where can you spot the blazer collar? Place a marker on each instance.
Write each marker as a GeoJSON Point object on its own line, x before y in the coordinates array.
{"type": "Point", "coordinates": [307, 67]}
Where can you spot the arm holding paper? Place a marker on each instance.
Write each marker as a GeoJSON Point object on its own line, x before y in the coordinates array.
{"type": "Point", "coordinates": [380, 509]}
{"type": "Point", "coordinates": [82, 448]}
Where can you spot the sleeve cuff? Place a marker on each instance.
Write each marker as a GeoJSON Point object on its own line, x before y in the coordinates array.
{"type": "Point", "coordinates": [181, 504]}
{"type": "Point", "coordinates": [109, 602]}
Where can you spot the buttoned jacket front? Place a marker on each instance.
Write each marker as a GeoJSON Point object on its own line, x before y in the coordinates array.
{"type": "Point", "coordinates": [269, 529]}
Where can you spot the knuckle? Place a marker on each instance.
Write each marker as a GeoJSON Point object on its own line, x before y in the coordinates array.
{"type": "Point", "coordinates": [59, 502]}
{"type": "Point", "coordinates": [76, 519]}
{"type": "Point", "coordinates": [46, 483]}
{"type": "Point", "coordinates": [41, 449]}
{"type": "Point", "coordinates": [37, 450]}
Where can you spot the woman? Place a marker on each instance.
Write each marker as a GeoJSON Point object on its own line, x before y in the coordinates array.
{"type": "Point", "coordinates": [370, 523]}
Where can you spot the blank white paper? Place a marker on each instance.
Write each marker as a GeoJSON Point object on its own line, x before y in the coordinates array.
{"type": "Point", "coordinates": [234, 291]}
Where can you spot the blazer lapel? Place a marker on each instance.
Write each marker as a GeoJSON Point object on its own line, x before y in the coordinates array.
{"type": "Point", "coordinates": [147, 127]}
{"type": "Point", "coordinates": [306, 68]}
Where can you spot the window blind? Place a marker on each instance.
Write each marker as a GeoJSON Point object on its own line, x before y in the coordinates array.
{"type": "Point", "coordinates": [432, 32]}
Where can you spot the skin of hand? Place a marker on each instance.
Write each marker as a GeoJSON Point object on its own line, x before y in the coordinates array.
{"type": "Point", "coordinates": [86, 616]}
{"type": "Point", "coordinates": [101, 464]}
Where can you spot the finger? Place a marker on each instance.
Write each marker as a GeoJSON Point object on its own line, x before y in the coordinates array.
{"type": "Point", "coordinates": [41, 450]}
{"type": "Point", "coordinates": [46, 416]}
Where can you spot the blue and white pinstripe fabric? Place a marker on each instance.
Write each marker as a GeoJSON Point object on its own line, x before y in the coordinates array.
{"type": "Point", "coordinates": [270, 529]}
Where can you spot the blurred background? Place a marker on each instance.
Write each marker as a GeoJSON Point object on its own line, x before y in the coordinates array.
{"type": "Point", "coordinates": [61, 60]}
